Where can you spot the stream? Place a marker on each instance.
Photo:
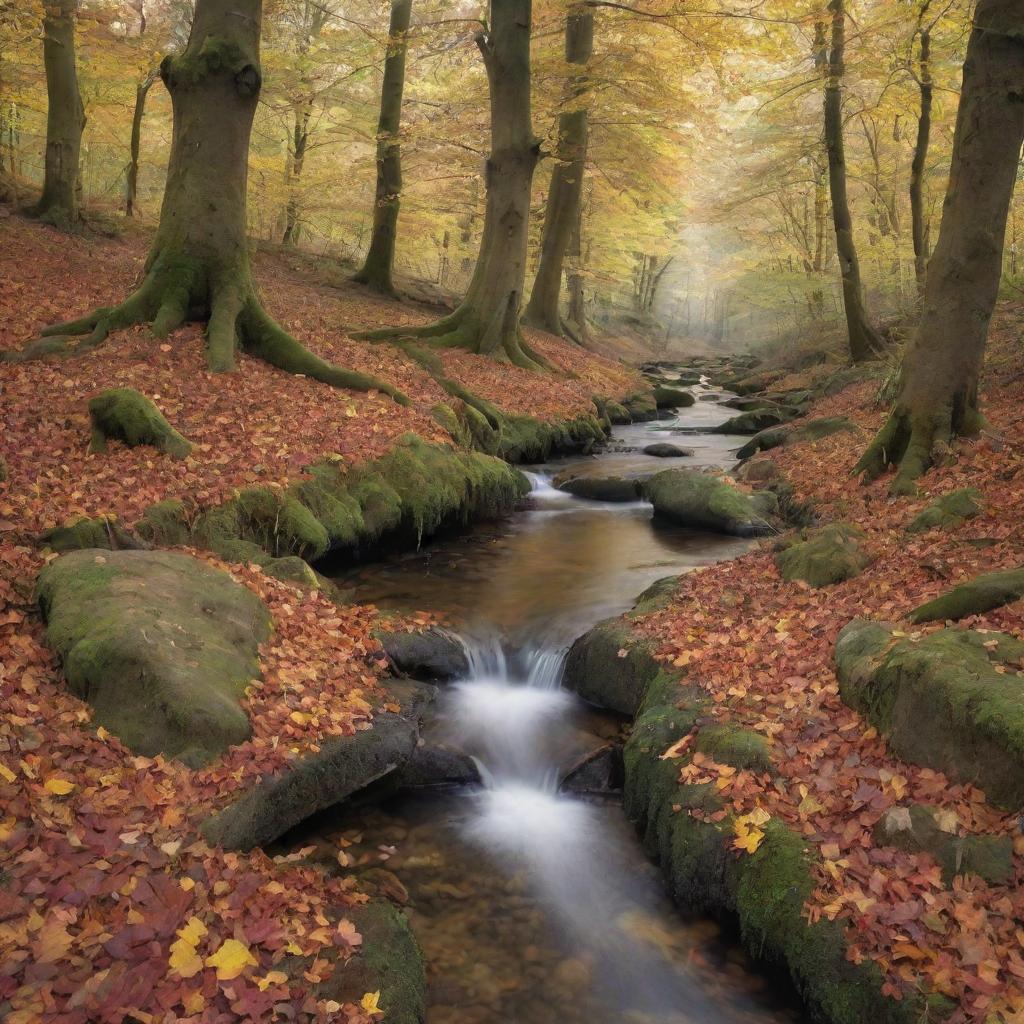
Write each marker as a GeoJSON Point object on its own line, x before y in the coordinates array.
{"type": "Point", "coordinates": [532, 905]}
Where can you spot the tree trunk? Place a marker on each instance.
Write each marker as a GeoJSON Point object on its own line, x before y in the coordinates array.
{"type": "Point", "coordinates": [132, 180]}
{"type": "Point", "coordinates": [487, 320]}
{"type": "Point", "coordinates": [917, 167]}
{"type": "Point", "coordinates": [198, 267]}
{"type": "Point", "coordinates": [864, 341]}
{"type": "Point", "coordinates": [564, 196]}
{"type": "Point", "coordinates": [938, 397]}
{"type": "Point", "coordinates": [377, 270]}
{"type": "Point", "coordinates": [65, 117]}
{"type": "Point", "coordinates": [575, 324]}
{"type": "Point", "coordinates": [300, 141]}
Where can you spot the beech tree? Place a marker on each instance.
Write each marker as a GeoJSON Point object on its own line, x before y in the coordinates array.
{"type": "Point", "coordinates": [562, 213]}
{"type": "Point", "coordinates": [487, 320]}
{"type": "Point", "coordinates": [864, 340]}
{"type": "Point", "coordinates": [376, 270]}
{"type": "Point", "coordinates": [65, 116]}
{"type": "Point", "coordinates": [938, 398]}
{"type": "Point", "coordinates": [198, 267]}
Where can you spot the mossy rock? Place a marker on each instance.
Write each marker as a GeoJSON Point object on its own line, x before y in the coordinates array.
{"type": "Point", "coordinates": [975, 597]}
{"type": "Point", "coordinates": [732, 745]}
{"type": "Point", "coordinates": [944, 701]}
{"type": "Point", "coordinates": [600, 488]}
{"type": "Point", "coordinates": [664, 450]}
{"type": "Point", "coordinates": [641, 406]}
{"type": "Point", "coordinates": [920, 828]}
{"type": "Point", "coordinates": [701, 501]}
{"type": "Point", "coordinates": [160, 644]}
{"type": "Point", "coordinates": [812, 430]}
{"type": "Point", "coordinates": [833, 554]}
{"type": "Point", "coordinates": [525, 439]}
{"type": "Point", "coordinates": [165, 524]}
{"type": "Point", "coordinates": [431, 655]}
{"type": "Point", "coordinates": [755, 422]}
{"type": "Point", "coordinates": [102, 532]}
{"type": "Point", "coordinates": [617, 413]}
{"type": "Point", "coordinates": [595, 670]}
{"type": "Point", "coordinates": [949, 511]}
{"type": "Point", "coordinates": [672, 398]}
{"type": "Point", "coordinates": [123, 414]}
{"type": "Point", "coordinates": [656, 597]}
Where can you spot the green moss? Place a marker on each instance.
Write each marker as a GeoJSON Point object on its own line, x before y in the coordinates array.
{"type": "Point", "coordinates": [216, 54]}
{"type": "Point", "coordinates": [656, 597]}
{"type": "Point", "coordinates": [102, 532]}
{"type": "Point", "coordinates": [741, 748]}
{"type": "Point", "coordinates": [608, 666]}
{"type": "Point", "coordinates": [833, 554]}
{"type": "Point", "coordinates": [756, 421]}
{"type": "Point", "coordinates": [165, 524]}
{"type": "Point", "coordinates": [813, 430]}
{"type": "Point", "coordinates": [700, 500]}
{"type": "Point", "coordinates": [975, 597]}
{"type": "Point", "coordinates": [641, 407]}
{"type": "Point", "coordinates": [949, 512]}
{"type": "Point", "coordinates": [672, 398]}
{"type": "Point", "coordinates": [125, 415]}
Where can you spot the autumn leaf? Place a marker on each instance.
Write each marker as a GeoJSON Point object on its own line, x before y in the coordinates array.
{"type": "Point", "coordinates": [184, 960]}
{"type": "Point", "coordinates": [371, 1003]}
{"type": "Point", "coordinates": [58, 786]}
{"type": "Point", "coordinates": [231, 959]}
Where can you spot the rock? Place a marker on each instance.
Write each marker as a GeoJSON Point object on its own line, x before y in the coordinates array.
{"type": "Point", "coordinates": [751, 404]}
{"type": "Point", "coordinates": [642, 407]}
{"type": "Point", "coordinates": [435, 765]}
{"type": "Point", "coordinates": [595, 670]}
{"type": "Point", "coordinates": [599, 488]}
{"type": "Point", "coordinates": [757, 471]}
{"type": "Point", "coordinates": [982, 594]}
{"type": "Point", "coordinates": [766, 440]}
{"type": "Point", "coordinates": [663, 450]}
{"type": "Point", "coordinates": [672, 398]}
{"type": "Point", "coordinates": [923, 829]}
{"type": "Point", "coordinates": [123, 414]}
{"type": "Point", "coordinates": [822, 557]}
{"type": "Point", "coordinates": [432, 655]}
{"type": "Point", "coordinates": [599, 773]}
{"type": "Point", "coordinates": [944, 700]}
{"type": "Point", "coordinates": [656, 597]}
{"type": "Point", "coordinates": [160, 644]}
{"type": "Point", "coordinates": [755, 422]}
{"type": "Point", "coordinates": [342, 767]}
{"type": "Point", "coordinates": [741, 748]}
{"type": "Point", "coordinates": [102, 532]}
{"type": "Point", "coordinates": [704, 502]}
{"type": "Point", "coordinates": [813, 430]}
{"type": "Point", "coordinates": [949, 512]}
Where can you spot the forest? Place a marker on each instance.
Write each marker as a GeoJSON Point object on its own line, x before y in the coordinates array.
{"type": "Point", "coordinates": [509, 511]}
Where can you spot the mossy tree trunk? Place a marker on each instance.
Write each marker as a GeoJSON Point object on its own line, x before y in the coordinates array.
{"type": "Point", "coordinates": [561, 216]}
{"type": "Point", "coordinates": [65, 116]}
{"type": "Point", "coordinates": [377, 269]}
{"type": "Point", "coordinates": [131, 190]}
{"type": "Point", "coordinates": [487, 320]}
{"type": "Point", "coordinates": [198, 267]}
{"type": "Point", "coordinates": [575, 323]}
{"type": "Point", "coordinates": [921, 145]}
{"type": "Point", "coordinates": [864, 340]}
{"type": "Point", "coordinates": [938, 397]}
{"type": "Point", "coordinates": [302, 114]}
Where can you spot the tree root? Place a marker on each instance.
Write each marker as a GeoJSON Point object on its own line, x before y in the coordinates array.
{"type": "Point", "coordinates": [236, 318]}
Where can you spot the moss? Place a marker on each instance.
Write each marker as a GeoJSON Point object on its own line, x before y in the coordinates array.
{"type": "Point", "coordinates": [217, 53]}
{"type": "Point", "coordinates": [833, 554]}
{"type": "Point", "coordinates": [813, 430]}
{"type": "Point", "coordinates": [756, 421]}
{"type": "Point", "coordinates": [699, 500]}
{"type": "Point", "coordinates": [641, 407]}
{"type": "Point", "coordinates": [944, 700]}
{"type": "Point", "coordinates": [600, 488]}
{"type": "Point", "coordinates": [656, 597]}
{"type": "Point", "coordinates": [165, 524]}
{"type": "Point", "coordinates": [609, 667]}
{"type": "Point", "coordinates": [524, 439]}
{"type": "Point", "coordinates": [975, 597]}
{"type": "Point", "coordinates": [102, 532]}
{"type": "Point", "coordinates": [741, 748]}
{"type": "Point", "coordinates": [672, 398]}
{"type": "Point", "coordinates": [617, 413]}
{"type": "Point", "coordinates": [125, 415]}
{"type": "Point", "coordinates": [949, 512]}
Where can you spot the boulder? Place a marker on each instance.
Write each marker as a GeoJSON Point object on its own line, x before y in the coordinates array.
{"type": "Point", "coordinates": [741, 748]}
{"type": "Point", "coordinates": [664, 450]}
{"type": "Point", "coordinates": [432, 655]}
{"type": "Point", "coordinates": [642, 407]}
{"type": "Point", "coordinates": [704, 502]}
{"type": "Point", "coordinates": [975, 597]}
{"type": "Point", "coordinates": [949, 511]}
{"type": "Point", "coordinates": [600, 488]}
{"type": "Point", "coordinates": [161, 645]}
{"type": "Point", "coordinates": [757, 471]}
{"type": "Point", "coordinates": [813, 430]}
{"type": "Point", "coordinates": [944, 700]}
{"type": "Point", "coordinates": [833, 554]}
{"type": "Point", "coordinates": [756, 421]}
{"type": "Point", "coordinates": [609, 667]}
{"type": "Point", "coordinates": [123, 414]}
{"type": "Point", "coordinates": [672, 398]}
{"type": "Point", "coordinates": [920, 828]}
{"type": "Point", "coordinates": [342, 767]}
{"type": "Point", "coordinates": [598, 773]}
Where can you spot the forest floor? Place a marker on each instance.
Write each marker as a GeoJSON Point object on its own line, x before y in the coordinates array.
{"type": "Point", "coordinates": [110, 903]}
{"type": "Point", "coordinates": [763, 649]}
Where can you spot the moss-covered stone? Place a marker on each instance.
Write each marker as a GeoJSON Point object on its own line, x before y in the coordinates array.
{"type": "Point", "coordinates": [595, 670]}
{"type": "Point", "coordinates": [672, 398]}
{"type": "Point", "coordinates": [975, 597]}
{"type": "Point", "coordinates": [664, 450]}
{"type": "Point", "coordinates": [701, 501]}
{"type": "Point", "coordinates": [617, 413]}
{"type": "Point", "coordinates": [949, 511]}
{"type": "Point", "coordinates": [656, 597]}
{"type": "Point", "coordinates": [813, 430]}
{"type": "Point", "coordinates": [431, 655]}
{"type": "Point", "coordinates": [755, 422]}
{"type": "Point", "coordinates": [525, 439]}
{"type": "Point", "coordinates": [102, 532]}
{"type": "Point", "coordinates": [160, 644]}
{"type": "Point", "coordinates": [945, 700]}
{"type": "Point", "coordinates": [741, 748]}
{"type": "Point", "coordinates": [165, 524]}
{"type": "Point", "coordinates": [833, 554]}
{"type": "Point", "coordinates": [123, 414]}
{"type": "Point", "coordinates": [641, 406]}
{"type": "Point", "coordinates": [600, 488]}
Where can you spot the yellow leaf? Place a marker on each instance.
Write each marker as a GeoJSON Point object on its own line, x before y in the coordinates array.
{"type": "Point", "coordinates": [299, 718]}
{"type": "Point", "coordinates": [271, 978]}
{"type": "Point", "coordinates": [58, 786]}
{"type": "Point", "coordinates": [231, 959]}
{"type": "Point", "coordinates": [7, 773]}
{"type": "Point", "coordinates": [750, 841]}
{"type": "Point", "coordinates": [184, 960]}
{"type": "Point", "coordinates": [194, 1002]}
{"type": "Point", "coordinates": [371, 1002]}
{"type": "Point", "coordinates": [193, 931]}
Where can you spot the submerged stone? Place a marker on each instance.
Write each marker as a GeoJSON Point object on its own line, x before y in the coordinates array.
{"type": "Point", "coordinates": [699, 500]}
{"type": "Point", "coordinates": [945, 700]}
{"type": "Point", "coordinates": [160, 644]}
{"type": "Point", "coordinates": [833, 554]}
{"type": "Point", "coordinates": [600, 488]}
{"type": "Point", "coordinates": [672, 398]}
{"type": "Point", "coordinates": [664, 450]}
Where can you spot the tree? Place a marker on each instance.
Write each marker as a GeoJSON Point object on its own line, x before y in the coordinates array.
{"type": "Point", "coordinates": [198, 267]}
{"type": "Point", "coordinates": [376, 270]}
{"type": "Point", "coordinates": [65, 116]}
{"type": "Point", "coordinates": [938, 398]}
{"type": "Point", "coordinates": [562, 214]}
{"type": "Point", "coordinates": [487, 320]}
{"type": "Point", "coordinates": [926, 86]}
{"type": "Point", "coordinates": [132, 176]}
{"type": "Point", "coordinates": [864, 340]}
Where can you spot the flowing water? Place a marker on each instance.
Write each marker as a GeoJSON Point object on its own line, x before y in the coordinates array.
{"type": "Point", "coordinates": [532, 905]}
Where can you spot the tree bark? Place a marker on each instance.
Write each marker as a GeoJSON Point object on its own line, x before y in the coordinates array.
{"type": "Point", "coordinates": [132, 178]}
{"type": "Point", "coordinates": [487, 320]}
{"type": "Point", "coordinates": [938, 397]}
{"type": "Point", "coordinates": [917, 167]}
{"type": "Point", "coordinates": [865, 343]}
{"type": "Point", "coordinates": [300, 141]}
{"type": "Point", "coordinates": [377, 269]}
{"type": "Point", "coordinates": [198, 267]}
{"type": "Point", "coordinates": [65, 116]}
{"type": "Point", "coordinates": [565, 193]}
{"type": "Point", "coordinates": [575, 323]}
